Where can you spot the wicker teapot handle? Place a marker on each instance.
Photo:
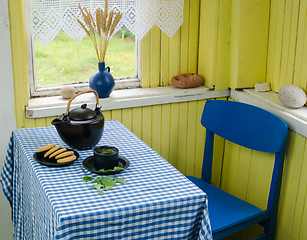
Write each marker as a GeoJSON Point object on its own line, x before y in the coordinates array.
{"type": "Point", "coordinates": [87, 91]}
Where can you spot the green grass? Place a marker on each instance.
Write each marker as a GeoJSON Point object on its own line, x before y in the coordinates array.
{"type": "Point", "coordinates": [66, 61]}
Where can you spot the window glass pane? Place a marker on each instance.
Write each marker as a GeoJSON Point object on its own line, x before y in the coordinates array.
{"type": "Point", "coordinates": [66, 61]}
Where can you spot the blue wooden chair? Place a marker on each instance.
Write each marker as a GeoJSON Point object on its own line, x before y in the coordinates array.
{"type": "Point", "coordinates": [253, 128]}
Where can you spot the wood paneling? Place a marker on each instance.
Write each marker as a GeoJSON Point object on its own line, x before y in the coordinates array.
{"type": "Point", "coordinates": [249, 37]}
{"type": "Point", "coordinates": [19, 59]}
{"type": "Point", "coordinates": [222, 66]}
{"type": "Point", "coordinates": [137, 121]}
{"type": "Point", "coordinates": [165, 80]}
{"type": "Point", "coordinates": [287, 51]}
{"type": "Point", "coordinates": [184, 38]}
{"type": "Point", "coordinates": [201, 45]}
{"type": "Point", "coordinates": [174, 129]}
{"type": "Point", "coordinates": [193, 36]}
{"type": "Point", "coordinates": [208, 40]}
{"type": "Point", "coordinates": [155, 57]}
{"type": "Point", "coordinates": [190, 150]}
{"type": "Point", "coordinates": [174, 56]}
{"type": "Point", "coordinates": [214, 42]}
{"type": "Point", "coordinates": [290, 202]}
{"type": "Point", "coordinates": [165, 130]}
{"type": "Point", "coordinates": [156, 127]}
{"type": "Point", "coordinates": [145, 62]}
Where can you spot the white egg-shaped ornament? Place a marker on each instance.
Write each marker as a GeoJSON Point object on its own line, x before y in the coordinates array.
{"type": "Point", "coordinates": [67, 92]}
{"type": "Point", "coordinates": [292, 96]}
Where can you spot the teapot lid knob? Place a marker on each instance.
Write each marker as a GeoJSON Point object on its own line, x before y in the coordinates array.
{"type": "Point", "coordinates": [82, 114]}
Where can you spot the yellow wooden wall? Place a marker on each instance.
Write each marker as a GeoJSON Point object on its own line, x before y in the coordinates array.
{"type": "Point", "coordinates": [249, 37]}
{"type": "Point", "coordinates": [287, 48]}
{"type": "Point", "coordinates": [19, 58]}
{"type": "Point", "coordinates": [201, 45]}
{"type": "Point", "coordinates": [225, 41]}
{"type": "Point", "coordinates": [163, 58]}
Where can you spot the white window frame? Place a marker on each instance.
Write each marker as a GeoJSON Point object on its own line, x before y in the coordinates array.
{"type": "Point", "coordinates": [53, 90]}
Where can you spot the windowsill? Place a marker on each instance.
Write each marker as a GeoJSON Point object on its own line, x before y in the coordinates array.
{"type": "Point", "coordinates": [125, 98]}
{"type": "Point", "coordinates": [51, 90]}
{"type": "Point", "coordinates": [295, 118]}
{"type": "Point", "coordinates": [138, 97]}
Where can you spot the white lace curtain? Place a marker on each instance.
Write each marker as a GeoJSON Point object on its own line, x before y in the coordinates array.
{"type": "Point", "coordinates": [49, 17]}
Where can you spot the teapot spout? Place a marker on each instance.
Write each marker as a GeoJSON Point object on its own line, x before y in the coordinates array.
{"type": "Point", "coordinates": [57, 121]}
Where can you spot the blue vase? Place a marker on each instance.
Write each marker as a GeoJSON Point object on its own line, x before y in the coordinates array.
{"type": "Point", "coordinates": [102, 81]}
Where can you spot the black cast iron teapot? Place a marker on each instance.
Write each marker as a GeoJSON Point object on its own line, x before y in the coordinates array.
{"type": "Point", "coordinates": [80, 128]}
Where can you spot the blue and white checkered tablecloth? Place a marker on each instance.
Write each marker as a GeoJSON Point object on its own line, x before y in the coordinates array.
{"type": "Point", "coordinates": [157, 202]}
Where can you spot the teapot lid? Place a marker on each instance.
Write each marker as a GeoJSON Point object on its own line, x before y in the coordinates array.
{"type": "Point", "coordinates": [82, 114]}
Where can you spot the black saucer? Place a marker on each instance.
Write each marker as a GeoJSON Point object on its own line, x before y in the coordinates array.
{"type": "Point", "coordinates": [88, 163]}
{"type": "Point", "coordinates": [51, 162]}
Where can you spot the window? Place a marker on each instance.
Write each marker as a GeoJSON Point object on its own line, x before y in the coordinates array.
{"type": "Point", "coordinates": [64, 61]}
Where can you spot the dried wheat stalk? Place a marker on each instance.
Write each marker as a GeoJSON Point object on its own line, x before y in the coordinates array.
{"type": "Point", "coordinates": [101, 29]}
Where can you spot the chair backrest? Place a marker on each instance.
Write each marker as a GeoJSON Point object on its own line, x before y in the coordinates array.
{"type": "Point", "coordinates": [250, 127]}
{"type": "Point", "coordinates": [246, 125]}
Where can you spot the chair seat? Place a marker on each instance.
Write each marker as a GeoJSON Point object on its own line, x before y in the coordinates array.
{"type": "Point", "coordinates": [228, 210]}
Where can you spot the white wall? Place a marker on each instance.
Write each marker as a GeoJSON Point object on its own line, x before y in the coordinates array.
{"type": "Point", "coordinates": [7, 117]}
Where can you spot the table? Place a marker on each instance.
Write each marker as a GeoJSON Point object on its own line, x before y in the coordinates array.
{"type": "Point", "coordinates": [157, 202]}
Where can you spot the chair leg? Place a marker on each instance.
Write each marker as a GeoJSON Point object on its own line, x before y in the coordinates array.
{"type": "Point", "coordinates": [270, 233]}
{"type": "Point", "coordinates": [269, 229]}
{"type": "Point", "coordinates": [261, 237]}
